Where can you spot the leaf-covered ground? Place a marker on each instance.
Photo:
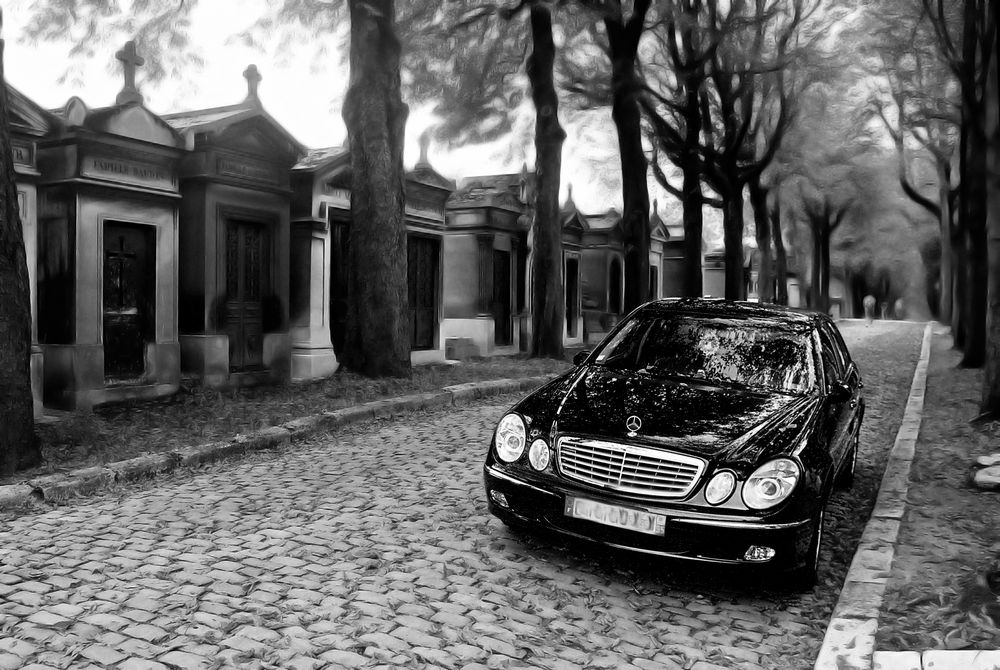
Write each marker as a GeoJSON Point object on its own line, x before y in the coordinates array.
{"type": "Point", "coordinates": [197, 415]}
{"type": "Point", "coordinates": [937, 597]}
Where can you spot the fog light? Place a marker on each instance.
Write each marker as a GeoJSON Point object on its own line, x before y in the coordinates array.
{"type": "Point", "coordinates": [758, 554]}
{"type": "Point", "coordinates": [538, 454]}
{"type": "Point", "coordinates": [499, 498]}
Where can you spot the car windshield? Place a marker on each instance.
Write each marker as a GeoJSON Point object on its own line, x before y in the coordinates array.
{"type": "Point", "coordinates": [751, 352]}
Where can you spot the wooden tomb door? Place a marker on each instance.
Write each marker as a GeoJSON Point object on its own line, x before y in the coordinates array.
{"type": "Point", "coordinates": [247, 271]}
{"type": "Point", "coordinates": [422, 270]}
{"type": "Point", "coordinates": [128, 302]}
{"type": "Point", "coordinates": [503, 332]}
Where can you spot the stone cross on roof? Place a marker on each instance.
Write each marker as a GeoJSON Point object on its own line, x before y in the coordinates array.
{"type": "Point", "coordinates": [130, 61]}
{"type": "Point", "coordinates": [425, 143]}
{"type": "Point", "coordinates": [252, 75]}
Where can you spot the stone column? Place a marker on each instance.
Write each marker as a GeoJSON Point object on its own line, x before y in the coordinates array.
{"type": "Point", "coordinates": [312, 348]}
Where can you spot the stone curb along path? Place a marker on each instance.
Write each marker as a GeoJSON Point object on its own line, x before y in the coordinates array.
{"type": "Point", "coordinates": [849, 643]}
{"type": "Point", "coordinates": [60, 487]}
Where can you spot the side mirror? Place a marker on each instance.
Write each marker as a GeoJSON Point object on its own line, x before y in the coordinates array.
{"type": "Point", "coordinates": [580, 356]}
{"type": "Point", "coordinates": [840, 392]}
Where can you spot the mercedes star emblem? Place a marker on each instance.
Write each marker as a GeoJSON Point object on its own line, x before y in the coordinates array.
{"type": "Point", "coordinates": [633, 423]}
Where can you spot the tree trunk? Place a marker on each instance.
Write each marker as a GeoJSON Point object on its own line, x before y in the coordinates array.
{"type": "Point", "coordinates": [816, 270]}
{"type": "Point", "coordinates": [945, 270]}
{"type": "Point", "coordinates": [18, 442]}
{"type": "Point", "coordinates": [972, 212]}
{"type": "Point", "coordinates": [623, 43]}
{"type": "Point", "coordinates": [824, 271]}
{"type": "Point", "coordinates": [732, 224]}
{"type": "Point", "coordinates": [974, 353]}
{"type": "Point", "coordinates": [547, 284]}
{"type": "Point", "coordinates": [990, 402]}
{"type": "Point", "coordinates": [377, 341]}
{"type": "Point", "coordinates": [761, 217]}
{"type": "Point", "coordinates": [693, 217]}
{"type": "Point", "coordinates": [781, 257]}
{"type": "Point", "coordinates": [958, 317]}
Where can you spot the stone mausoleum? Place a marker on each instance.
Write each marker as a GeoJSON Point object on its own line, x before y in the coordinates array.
{"type": "Point", "coordinates": [212, 245]}
{"type": "Point", "coordinates": [234, 242]}
{"type": "Point", "coordinates": [107, 251]}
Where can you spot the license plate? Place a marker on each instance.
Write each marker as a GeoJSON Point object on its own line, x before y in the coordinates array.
{"type": "Point", "coordinates": [613, 515]}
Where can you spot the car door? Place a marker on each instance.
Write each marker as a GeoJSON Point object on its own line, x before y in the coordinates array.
{"type": "Point", "coordinates": [852, 377]}
{"type": "Point", "coordinates": [841, 411]}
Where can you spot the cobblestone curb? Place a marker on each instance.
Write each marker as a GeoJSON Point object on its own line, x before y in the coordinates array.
{"type": "Point", "coordinates": [61, 487]}
{"type": "Point", "coordinates": [850, 636]}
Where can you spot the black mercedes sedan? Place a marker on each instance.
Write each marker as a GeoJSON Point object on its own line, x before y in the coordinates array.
{"type": "Point", "coordinates": [699, 429]}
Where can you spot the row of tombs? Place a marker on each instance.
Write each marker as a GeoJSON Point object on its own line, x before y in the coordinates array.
{"type": "Point", "coordinates": [211, 244]}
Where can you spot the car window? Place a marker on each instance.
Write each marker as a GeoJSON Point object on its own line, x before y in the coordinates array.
{"type": "Point", "coordinates": [834, 365]}
{"type": "Point", "coordinates": [755, 353]}
{"type": "Point", "coordinates": [838, 339]}
{"type": "Point", "coordinates": [831, 371]}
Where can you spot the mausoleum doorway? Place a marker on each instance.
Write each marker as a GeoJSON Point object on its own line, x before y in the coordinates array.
{"type": "Point", "coordinates": [247, 275]}
{"type": "Point", "coordinates": [422, 281]}
{"type": "Point", "coordinates": [503, 325]}
{"type": "Point", "coordinates": [129, 312]}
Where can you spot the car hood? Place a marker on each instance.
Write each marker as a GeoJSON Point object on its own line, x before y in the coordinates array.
{"type": "Point", "coordinates": [703, 419]}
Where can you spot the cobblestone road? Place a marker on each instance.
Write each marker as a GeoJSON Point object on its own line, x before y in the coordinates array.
{"type": "Point", "coordinates": [374, 548]}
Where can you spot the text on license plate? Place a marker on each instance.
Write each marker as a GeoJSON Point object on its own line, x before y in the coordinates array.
{"type": "Point", "coordinates": [613, 515]}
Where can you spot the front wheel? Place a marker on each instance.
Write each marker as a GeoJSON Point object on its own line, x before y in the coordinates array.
{"type": "Point", "coordinates": [804, 577]}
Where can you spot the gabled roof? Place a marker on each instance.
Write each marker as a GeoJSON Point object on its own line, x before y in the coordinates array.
{"type": "Point", "coordinates": [497, 182]}
{"type": "Point", "coordinates": [217, 120]}
{"type": "Point", "coordinates": [657, 228]}
{"type": "Point", "coordinates": [322, 158]}
{"type": "Point", "coordinates": [574, 221]}
{"type": "Point", "coordinates": [335, 165]}
{"type": "Point", "coordinates": [184, 120]}
{"type": "Point", "coordinates": [499, 190]}
{"type": "Point", "coordinates": [26, 115]}
{"type": "Point", "coordinates": [610, 219]}
{"type": "Point", "coordinates": [130, 119]}
{"type": "Point", "coordinates": [424, 173]}
{"type": "Point", "coordinates": [515, 183]}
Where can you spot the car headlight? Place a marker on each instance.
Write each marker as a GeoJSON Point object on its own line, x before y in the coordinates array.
{"type": "Point", "coordinates": [538, 454]}
{"type": "Point", "coordinates": [720, 487]}
{"type": "Point", "coordinates": [510, 438]}
{"type": "Point", "coordinates": [771, 483]}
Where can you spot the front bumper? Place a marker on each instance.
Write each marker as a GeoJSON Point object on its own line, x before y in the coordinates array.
{"type": "Point", "coordinates": [698, 537]}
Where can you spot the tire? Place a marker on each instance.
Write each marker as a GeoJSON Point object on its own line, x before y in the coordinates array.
{"type": "Point", "coordinates": [804, 577]}
{"type": "Point", "coordinates": [845, 478]}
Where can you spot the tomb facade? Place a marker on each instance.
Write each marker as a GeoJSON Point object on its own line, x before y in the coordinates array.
{"type": "Point", "coordinates": [107, 251]}
{"type": "Point", "coordinates": [234, 242]}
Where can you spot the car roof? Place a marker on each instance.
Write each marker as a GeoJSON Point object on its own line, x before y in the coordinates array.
{"type": "Point", "coordinates": [735, 309]}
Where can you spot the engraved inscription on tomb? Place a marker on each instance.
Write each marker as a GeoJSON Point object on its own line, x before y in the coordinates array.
{"type": "Point", "coordinates": [131, 172]}
{"type": "Point", "coordinates": [245, 169]}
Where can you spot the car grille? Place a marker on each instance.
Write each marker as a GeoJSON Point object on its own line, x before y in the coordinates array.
{"type": "Point", "coordinates": [629, 469]}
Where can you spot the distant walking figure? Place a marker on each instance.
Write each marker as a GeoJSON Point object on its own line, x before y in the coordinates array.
{"type": "Point", "coordinates": [899, 309]}
{"type": "Point", "coordinates": [869, 303]}
{"type": "Point", "coordinates": [885, 310]}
